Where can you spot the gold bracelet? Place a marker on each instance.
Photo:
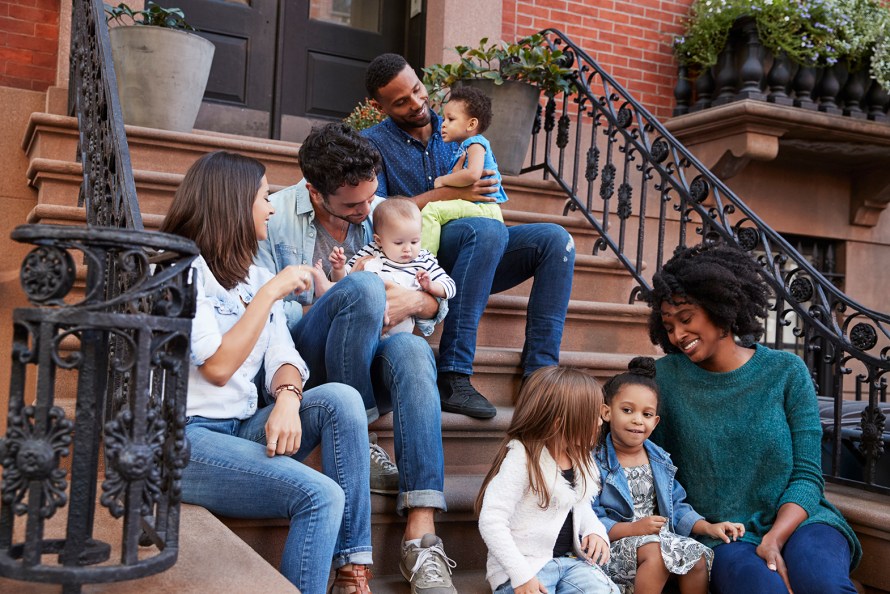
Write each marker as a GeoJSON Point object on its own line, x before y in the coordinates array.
{"type": "Point", "coordinates": [288, 388]}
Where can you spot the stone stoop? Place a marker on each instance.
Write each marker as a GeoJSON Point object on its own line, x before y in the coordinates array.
{"type": "Point", "coordinates": [211, 559]}
{"type": "Point", "coordinates": [869, 515]}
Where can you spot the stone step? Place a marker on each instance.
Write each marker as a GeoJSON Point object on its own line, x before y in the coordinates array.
{"type": "Point", "coordinates": [211, 559]}
{"type": "Point", "coordinates": [465, 582]}
{"type": "Point", "coordinates": [55, 137]}
{"type": "Point", "coordinates": [457, 528]}
{"type": "Point", "coordinates": [597, 278]}
{"type": "Point", "coordinates": [589, 325]}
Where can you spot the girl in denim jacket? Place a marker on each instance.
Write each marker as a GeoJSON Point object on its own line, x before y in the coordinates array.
{"type": "Point", "coordinates": [641, 504]}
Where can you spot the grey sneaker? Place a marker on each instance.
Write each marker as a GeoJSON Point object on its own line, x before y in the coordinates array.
{"type": "Point", "coordinates": [384, 474]}
{"type": "Point", "coordinates": [426, 567]}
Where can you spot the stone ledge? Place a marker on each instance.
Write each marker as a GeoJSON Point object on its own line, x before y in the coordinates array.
{"type": "Point", "coordinates": [211, 559]}
{"type": "Point", "coordinates": [869, 515]}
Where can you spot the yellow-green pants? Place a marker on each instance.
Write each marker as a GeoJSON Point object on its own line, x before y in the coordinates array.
{"type": "Point", "coordinates": [436, 214]}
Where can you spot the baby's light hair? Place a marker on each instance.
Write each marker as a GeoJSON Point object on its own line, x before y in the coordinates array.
{"type": "Point", "coordinates": [392, 209]}
{"type": "Point", "coordinates": [557, 407]}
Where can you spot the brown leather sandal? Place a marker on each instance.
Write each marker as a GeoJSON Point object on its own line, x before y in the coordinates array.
{"type": "Point", "coordinates": [357, 577]}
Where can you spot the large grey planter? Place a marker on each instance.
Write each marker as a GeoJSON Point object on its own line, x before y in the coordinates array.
{"type": "Point", "coordinates": [161, 75]}
{"type": "Point", "coordinates": [513, 106]}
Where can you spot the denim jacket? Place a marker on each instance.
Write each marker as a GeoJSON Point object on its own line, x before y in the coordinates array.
{"type": "Point", "coordinates": [291, 240]}
{"type": "Point", "coordinates": [615, 503]}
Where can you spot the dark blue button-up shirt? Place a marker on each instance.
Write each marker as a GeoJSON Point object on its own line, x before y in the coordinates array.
{"type": "Point", "coordinates": [410, 168]}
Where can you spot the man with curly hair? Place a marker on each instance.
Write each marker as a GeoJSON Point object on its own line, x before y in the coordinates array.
{"type": "Point", "coordinates": [480, 254]}
{"type": "Point", "coordinates": [340, 335]}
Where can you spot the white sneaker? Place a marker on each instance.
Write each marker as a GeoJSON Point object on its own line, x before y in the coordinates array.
{"type": "Point", "coordinates": [426, 567]}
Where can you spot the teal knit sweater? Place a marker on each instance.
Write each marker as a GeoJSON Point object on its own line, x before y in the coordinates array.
{"type": "Point", "coordinates": [746, 442]}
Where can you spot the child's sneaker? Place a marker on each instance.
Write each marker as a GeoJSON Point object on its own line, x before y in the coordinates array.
{"type": "Point", "coordinates": [426, 567]}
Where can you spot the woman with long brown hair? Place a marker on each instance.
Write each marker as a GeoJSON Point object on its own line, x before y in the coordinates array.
{"type": "Point", "coordinates": [246, 459]}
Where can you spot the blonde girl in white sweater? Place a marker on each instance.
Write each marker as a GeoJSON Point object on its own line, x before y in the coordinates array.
{"type": "Point", "coordinates": [534, 507]}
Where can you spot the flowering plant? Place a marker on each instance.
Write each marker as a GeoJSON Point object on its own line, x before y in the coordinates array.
{"type": "Point", "coordinates": [810, 32]}
{"type": "Point", "coordinates": [364, 116]}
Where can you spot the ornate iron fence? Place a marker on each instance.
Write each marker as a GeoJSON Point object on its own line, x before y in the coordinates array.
{"type": "Point", "coordinates": [645, 194]}
{"type": "Point", "coordinates": [125, 338]}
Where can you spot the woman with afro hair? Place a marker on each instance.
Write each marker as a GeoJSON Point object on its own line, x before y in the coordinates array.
{"type": "Point", "coordinates": [743, 423]}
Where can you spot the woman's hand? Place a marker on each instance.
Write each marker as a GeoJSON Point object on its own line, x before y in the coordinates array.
{"type": "Point", "coordinates": [293, 279]}
{"type": "Point", "coordinates": [533, 586]}
{"type": "Point", "coordinates": [594, 549]}
{"type": "Point", "coordinates": [725, 531]}
{"type": "Point", "coordinates": [771, 551]}
{"type": "Point", "coordinates": [649, 525]}
{"type": "Point", "coordinates": [283, 427]}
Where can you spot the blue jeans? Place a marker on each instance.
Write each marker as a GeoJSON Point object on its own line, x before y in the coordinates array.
{"type": "Point", "coordinates": [817, 557]}
{"type": "Point", "coordinates": [339, 338]}
{"type": "Point", "coordinates": [483, 257]}
{"type": "Point", "coordinates": [230, 474]}
{"type": "Point", "coordinates": [568, 575]}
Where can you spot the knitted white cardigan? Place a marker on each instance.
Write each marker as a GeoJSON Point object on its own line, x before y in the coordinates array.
{"type": "Point", "coordinates": [519, 534]}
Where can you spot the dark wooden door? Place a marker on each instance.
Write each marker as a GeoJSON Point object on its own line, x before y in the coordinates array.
{"type": "Point", "coordinates": [324, 60]}
{"type": "Point", "coordinates": [288, 63]}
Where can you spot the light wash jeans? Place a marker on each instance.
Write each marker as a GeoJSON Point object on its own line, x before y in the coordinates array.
{"type": "Point", "coordinates": [568, 575]}
{"type": "Point", "coordinates": [230, 474]}
{"type": "Point", "coordinates": [484, 257]}
{"type": "Point", "coordinates": [340, 340]}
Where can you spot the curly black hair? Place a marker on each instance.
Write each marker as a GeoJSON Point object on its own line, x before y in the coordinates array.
{"type": "Point", "coordinates": [476, 103]}
{"type": "Point", "coordinates": [640, 372]}
{"type": "Point", "coordinates": [334, 155]}
{"type": "Point", "coordinates": [724, 281]}
{"type": "Point", "coordinates": [381, 71]}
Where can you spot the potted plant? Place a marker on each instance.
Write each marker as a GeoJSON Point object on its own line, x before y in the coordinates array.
{"type": "Point", "coordinates": [162, 68]}
{"type": "Point", "coordinates": [513, 75]}
{"type": "Point", "coordinates": [835, 35]}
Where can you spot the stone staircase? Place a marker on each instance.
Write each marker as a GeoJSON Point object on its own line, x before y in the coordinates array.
{"type": "Point", "coordinates": [602, 331]}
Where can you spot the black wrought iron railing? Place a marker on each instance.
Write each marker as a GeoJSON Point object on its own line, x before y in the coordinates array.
{"type": "Point", "coordinates": [124, 336]}
{"type": "Point", "coordinates": [645, 194]}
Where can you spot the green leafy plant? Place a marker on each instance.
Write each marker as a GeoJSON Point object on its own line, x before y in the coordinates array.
{"type": "Point", "coordinates": [804, 30]}
{"type": "Point", "coordinates": [529, 60]}
{"type": "Point", "coordinates": [364, 116]}
{"type": "Point", "coordinates": [152, 16]}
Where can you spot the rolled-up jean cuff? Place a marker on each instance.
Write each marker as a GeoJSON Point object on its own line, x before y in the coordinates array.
{"type": "Point", "coordinates": [356, 556]}
{"type": "Point", "coordinates": [426, 498]}
{"type": "Point", "coordinates": [373, 414]}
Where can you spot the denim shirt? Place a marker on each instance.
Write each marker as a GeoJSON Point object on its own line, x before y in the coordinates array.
{"type": "Point", "coordinates": [615, 503]}
{"type": "Point", "coordinates": [291, 240]}
{"type": "Point", "coordinates": [410, 167]}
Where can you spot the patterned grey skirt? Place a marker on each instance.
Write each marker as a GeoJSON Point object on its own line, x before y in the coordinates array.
{"type": "Point", "coordinates": [680, 553]}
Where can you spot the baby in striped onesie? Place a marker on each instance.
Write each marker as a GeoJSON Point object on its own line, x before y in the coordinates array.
{"type": "Point", "coordinates": [395, 255]}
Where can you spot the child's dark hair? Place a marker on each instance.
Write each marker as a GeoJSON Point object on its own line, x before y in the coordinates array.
{"type": "Point", "coordinates": [476, 103]}
{"type": "Point", "coordinates": [724, 281]}
{"type": "Point", "coordinates": [640, 372]}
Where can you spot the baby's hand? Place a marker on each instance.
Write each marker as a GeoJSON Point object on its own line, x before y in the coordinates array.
{"type": "Point", "coordinates": [650, 525]}
{"type": "Point", "coordinates": [337, 258]}
{"type": "Point", "coordinates": [725, 530]}
{"type": "Point", "coordinates": [594, 549]}
{"type": "Point", "coordinates": [423, 279]}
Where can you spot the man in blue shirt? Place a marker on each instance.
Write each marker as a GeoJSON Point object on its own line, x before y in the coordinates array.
{"type": "Point", "coordinates": [481, 255]}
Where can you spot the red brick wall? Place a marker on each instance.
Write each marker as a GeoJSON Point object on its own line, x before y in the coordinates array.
{"type": "Point", "coordinates": [29, 43]}
{"type": "Point", "coordinates": [630, 39]}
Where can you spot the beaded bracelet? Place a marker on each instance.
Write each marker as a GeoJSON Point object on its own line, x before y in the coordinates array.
{"type": "Point", "coordinates": [288, 388]}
